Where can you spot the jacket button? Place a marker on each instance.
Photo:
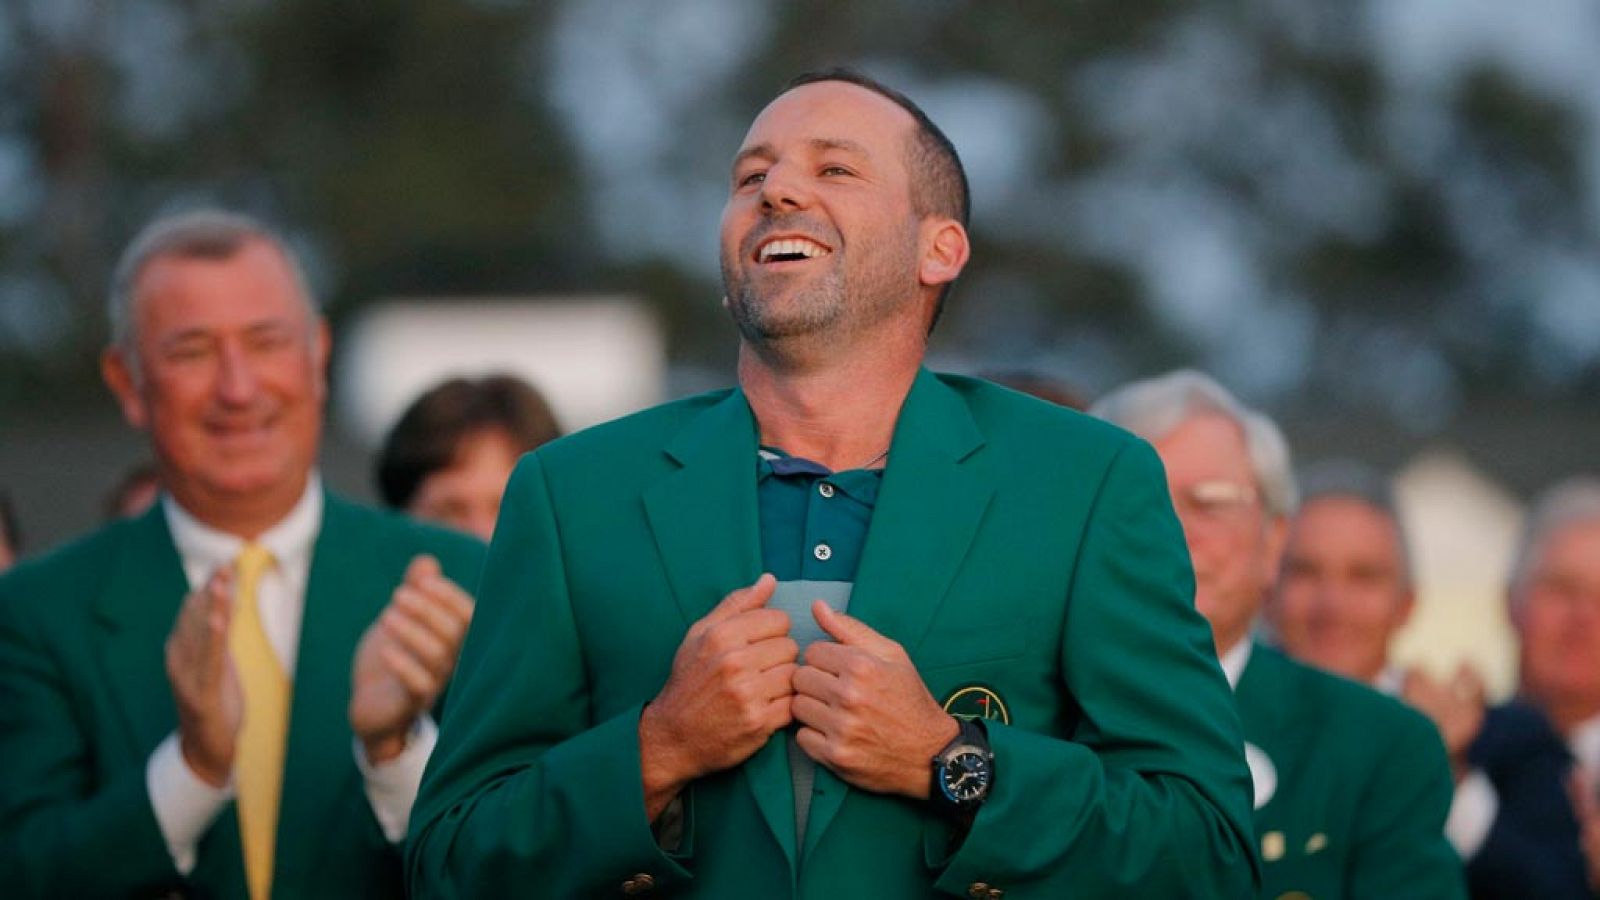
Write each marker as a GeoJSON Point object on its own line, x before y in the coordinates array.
{"type": "Point", "coordinates": [996, 893]}
{"type": "Point", "coordinates": [978, 891]}
{"type": "Point", "coordinates": [641, 883]}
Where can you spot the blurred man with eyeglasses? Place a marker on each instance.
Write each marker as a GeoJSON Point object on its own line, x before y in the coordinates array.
{"type": "Point", "coordinates": [1351, 787]}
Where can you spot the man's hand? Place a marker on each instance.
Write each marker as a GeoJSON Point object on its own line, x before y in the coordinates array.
{"type": "Point", "coordinates": [866, 713]}
{"type": "Point", "coordinates": [728, 692]}
{"type": "Point", "coordinates": [1456, 708]}
{"type": "Point", "coordinates": [204, 684]}
{"type": "Point", "coordinates": [406, 657]}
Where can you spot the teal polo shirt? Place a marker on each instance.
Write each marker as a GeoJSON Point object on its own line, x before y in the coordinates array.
{"type": "Point", "coordinates": [813, 525]}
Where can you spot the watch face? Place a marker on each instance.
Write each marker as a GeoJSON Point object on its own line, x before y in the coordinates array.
{"type": "Point", "coordinates": [965, 776]}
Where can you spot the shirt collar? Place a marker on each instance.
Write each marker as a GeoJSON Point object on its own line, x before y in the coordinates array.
{"type": "Point", "coordinates": [1234, 661]}
{"type": "Point", "coordinates": [290, 540]}
{"type": "Point", "coordinates": [1391, 680]}
{"type": "Point", "coordinates": [1585, 743]}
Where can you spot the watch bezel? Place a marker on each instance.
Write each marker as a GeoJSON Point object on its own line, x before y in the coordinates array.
{"type": "Point", "coordinates": [971, 740]}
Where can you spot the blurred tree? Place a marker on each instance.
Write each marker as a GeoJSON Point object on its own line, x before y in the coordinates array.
{"type": "Point", "coordinates": [1362, 207]}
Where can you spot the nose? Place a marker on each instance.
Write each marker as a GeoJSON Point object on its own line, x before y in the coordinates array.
{"type": "Point", "coordinates": [236, 378]}
{"type": "Point", "coordinates": [783, 190]}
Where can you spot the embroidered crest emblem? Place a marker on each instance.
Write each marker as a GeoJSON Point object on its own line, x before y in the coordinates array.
{"type": "Point", "coordinates": [977, 701]}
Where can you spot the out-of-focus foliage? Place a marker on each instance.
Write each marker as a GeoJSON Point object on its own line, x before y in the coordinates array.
{"type": "Point", "coordinates": [1364, 206]}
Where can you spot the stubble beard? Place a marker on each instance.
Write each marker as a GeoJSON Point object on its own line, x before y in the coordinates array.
{"type": "Point", "coordinates": [833, 303]}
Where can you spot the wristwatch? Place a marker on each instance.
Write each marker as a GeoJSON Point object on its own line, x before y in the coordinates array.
{"type": "Point", "coordinates": [963, 773]}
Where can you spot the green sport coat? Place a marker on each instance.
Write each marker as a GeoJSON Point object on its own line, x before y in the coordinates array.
{"type": "Point", "coordinates": [84, 700]}
{"type": "Point", "coordinates": [1363, 787]}
{"type": "Point", "coordinates": [1014, 545]}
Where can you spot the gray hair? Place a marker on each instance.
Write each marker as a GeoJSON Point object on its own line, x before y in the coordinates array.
{"type": "Point", "coordinates": [1155, 407]}
{"type": "Point", "coordinates": [1347, 479]}
{"type": "Point", "coordinates": [198, 234]}
{"type": "Point", "coordinates": [1566, 504]}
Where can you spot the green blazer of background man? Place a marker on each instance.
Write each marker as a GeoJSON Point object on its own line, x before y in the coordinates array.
{"type": "Point", "coordinates": [1351, 787]}
{"type": "Point", "coordinates": [168, 723]}
{"type": "Point", "coordinates": [632, 714]}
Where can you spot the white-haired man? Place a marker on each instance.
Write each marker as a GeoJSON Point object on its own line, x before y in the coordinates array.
{"type": "Point", "coordinates": [1537, 833]}
{"type": "Point", "coordinates": [1352, 787]}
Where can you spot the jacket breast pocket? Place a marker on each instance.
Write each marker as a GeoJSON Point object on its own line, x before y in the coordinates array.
{"type": "Point", "coordinates": [988, 642]}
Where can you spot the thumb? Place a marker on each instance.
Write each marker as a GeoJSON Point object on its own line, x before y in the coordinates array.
{"type": "Point", "coordinates": [423, 566]}
{"type": "Point", "coordinates": [753, 596]}
{"type": "Point", "coordinates": [850, 631]}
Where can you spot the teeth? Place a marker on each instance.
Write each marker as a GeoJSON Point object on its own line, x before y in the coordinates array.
{"type": "Point", "coordinates": [792, 247]}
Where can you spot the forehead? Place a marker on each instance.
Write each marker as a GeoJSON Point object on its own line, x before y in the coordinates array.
{"type": "Point", "coordinates": [1349, 522]}
{"type": "Point", "coordinates": [831, 111]}
{"type": "Point", "coordinates": [1205, 446]}
{"type": "Point", "coordinates": [175, 293]}
{"type": "Point", "coordinates": [1573, 548]}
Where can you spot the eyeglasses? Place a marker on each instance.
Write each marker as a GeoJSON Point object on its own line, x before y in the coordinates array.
{"type": "Point", "coordinates": [1213, 500]}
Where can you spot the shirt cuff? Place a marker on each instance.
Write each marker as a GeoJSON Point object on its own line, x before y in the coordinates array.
{"type": "Point", "coordinates": [392, 784]}
{"type": "Point", "coordinates": [184, 804]}
{"type": "Point", "coordinates": [1472, 814]}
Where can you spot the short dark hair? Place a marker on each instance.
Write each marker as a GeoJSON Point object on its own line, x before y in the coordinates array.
{"type": "Point", "coordinates": [938, 180]}
{"type": "Point", "coordinates": [431, 431]}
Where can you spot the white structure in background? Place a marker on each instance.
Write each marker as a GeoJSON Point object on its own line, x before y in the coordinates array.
{"type": "Point", "coordinates": [593, 358]}
{"type": "Point", "coordinates": [1463, 529]}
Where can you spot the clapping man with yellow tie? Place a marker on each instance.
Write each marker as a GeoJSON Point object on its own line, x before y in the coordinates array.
{"type": "Point", "coordinates": [228, 695]}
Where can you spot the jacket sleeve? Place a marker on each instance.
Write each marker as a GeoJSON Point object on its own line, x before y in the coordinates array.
{"type": "Point", "coordinates": [63, 831]}
{"type": "Point", "coordinates": [1400, 846]}
{"type": "Point", "coordinates": [525, 791]}
{"type": "Point", "coordinates": [1151, 795]}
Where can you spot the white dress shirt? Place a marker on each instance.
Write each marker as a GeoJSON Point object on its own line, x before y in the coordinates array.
{"type": "Point", "coordinates": [1585, 745]}
{"type": "Point", "coordinates": [184, 805]}
{"type": "Point", "coordinates": [1235, 659]}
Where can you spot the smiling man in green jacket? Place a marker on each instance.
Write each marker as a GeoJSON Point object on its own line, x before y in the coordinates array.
{"type": "Point", "coordinates": [227, 695]}
{"type": "Point", "coordinates": [971, 668]}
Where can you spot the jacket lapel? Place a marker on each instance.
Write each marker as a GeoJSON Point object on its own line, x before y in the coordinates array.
{"type": "Point", "coordinates": [703, 513]}
{"type": "Point", "coordinates": [144, 590]}
{"type": "Point", "coordinates": [929, 508]}
{"type": "Point", "coordinates": [704, 519]}
{"type": "Point", "coordinates": [341, 601]}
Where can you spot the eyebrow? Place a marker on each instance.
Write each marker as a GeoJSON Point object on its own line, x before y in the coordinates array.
{"type": "Point", "coordinates": [766, 152]}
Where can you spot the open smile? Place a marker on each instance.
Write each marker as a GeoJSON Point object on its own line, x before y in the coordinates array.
{"type": "Point", "coordinates": [789, 249]}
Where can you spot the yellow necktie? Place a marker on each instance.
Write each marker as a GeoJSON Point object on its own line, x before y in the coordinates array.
{"type": "Point", "coordinates": [258, 761]}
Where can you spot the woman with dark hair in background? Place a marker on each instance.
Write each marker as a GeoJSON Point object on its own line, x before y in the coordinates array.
{"type": "Point", "coordinates": [449, 456]}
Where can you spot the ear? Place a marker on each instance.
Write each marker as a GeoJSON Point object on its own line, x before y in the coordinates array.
{"type": "Point", "coordinates": [1273, 543]}
{"type": "Point", "coordinates": [1408, 605]}
{"type": "Point", "coordinates": [1515, 613]}
{"type": "Point", "coordinates": [945, 251]}
{"type": "Point", "coordinates": [117, 370]}
{"type": "Point", "coordinates": [321, 349]}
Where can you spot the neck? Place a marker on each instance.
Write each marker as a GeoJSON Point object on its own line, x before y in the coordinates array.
{"type": "Point", "coordinates": [839, 412]}
{"type": "Point", "coordinates": [244, 517]}
{"type": "Point", "coordinates": [1227, 638]}
{"type": "Point", "coordinates": [1568, 715]}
